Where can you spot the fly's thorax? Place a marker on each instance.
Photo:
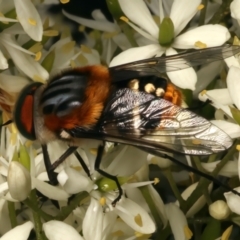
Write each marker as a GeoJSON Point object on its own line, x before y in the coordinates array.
{"type": "Point", "coordinates": [43, 134]}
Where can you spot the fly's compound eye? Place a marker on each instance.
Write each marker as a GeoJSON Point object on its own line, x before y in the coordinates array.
{"type": "Point", "coordinates": [24, 113]}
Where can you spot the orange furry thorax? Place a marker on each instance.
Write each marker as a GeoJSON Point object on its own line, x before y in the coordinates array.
{"type": "Point", "coordinates": [95, 96]}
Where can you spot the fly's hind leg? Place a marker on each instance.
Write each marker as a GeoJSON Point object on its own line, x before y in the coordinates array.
{"type": "Point", "coordinates": [105, 174]}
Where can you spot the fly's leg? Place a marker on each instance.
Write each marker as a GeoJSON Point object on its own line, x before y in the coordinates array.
{"type": "Point", "coordinates": [107, 175]}
{"type": "Point", "coordinates": [83, 164]}
{"type": "Point", "coordinates": [51, 167]}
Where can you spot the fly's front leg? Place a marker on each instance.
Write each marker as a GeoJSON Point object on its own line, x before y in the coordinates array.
{"type": "Point", "coordinates": [51, 167]}
{"type": "Point", "coordinates": [105, 174]}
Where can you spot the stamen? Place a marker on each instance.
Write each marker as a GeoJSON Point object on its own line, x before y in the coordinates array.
{"type": "Point", "coordinates": [102, 201]}
{"type": "Point", "coordinates": [125, 19]}
{"type": "Point", "coordinates": [85, 49]}
{"type": "Point", "coordinates": [200, 44]}
{"type": "Point", "coordinates": [188, 233]}
{"type": "Point", "coordinates": [226, 234]}
{"type": "Point", "coordinates": [238, 147]}
{"type": "Point", "coordinates": [156, 181]}
{"type": "Point", "coordinates": [200, 7]}
{"type": "Point", "coordinates": [32, 21]}
{"type": "Point", "coordinates": [64, 1]}
{"type": "Point", "coordinates": [37, 78]}
{"type": "Point", "coordinates": [38, 56]}
{"type": "Point", "coordinates": [138, 220]}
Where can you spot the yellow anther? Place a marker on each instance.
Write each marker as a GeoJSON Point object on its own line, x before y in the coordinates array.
{"type": "Point", "coordinates": [138, 220]}
{"type": "Point", "coordinates": [203, 92]}
{"type": "Point", "coordinates": [200, 44]}
{"type": "Point", "coordinates": [32, 21]}
{"type": "Point", "coordinates": [156, 181]}
{"type": "Point", "coordinates": [125, 19]}
{"type": "Point", "coordinates": [187, 232]}
{"type": "Point", "coordinates": [38, 56]}
{"type": "Point", "coordinates": [200, 7]}
{"type": "Point", "coordinates": [64, 1]}
{"type": "Point", "coordinates": [238, 147]}
{"type": "Point", "coordinates": [102, 201]}
{"type": "Point", "coordinates": [37, 78]}
{"type": "Point", "coordinates": [85, 49]}
{"type": "Point", "coordinates": [226, 234]}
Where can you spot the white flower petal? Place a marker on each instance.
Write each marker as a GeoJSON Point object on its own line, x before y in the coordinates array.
{"type": "Point", "coordinates": [159, 204]}
{"type": "Point", "coordinates": [206, 75]}
{"type": "Point", "coordinates": [20, 232]}
{"type": "Point", "coordinates": [137, 12]}
{"type": "Point", "coordinates": [220, 96]}
{"type": "Point", "coordinates": [11, 83]}
{"type": "Point", "coordinates": [57, 230]}
{"type": "Point", "coordinates": [199, 204]}
{"type": "Point", "coordinates": [120, 161]}
{"type": "Point", "coordinates": [211, 35]}
{"type": "Point", "coordinates": [233, 85]}
{"type": "Point", "coordinates": [3, 61]}
{"type": "Point", "coordinates": [232, 61]}
{"type": "Point", "coordinates": [233, 201]}
{"type": "Point", "coordinates": [234, 7]}
{"type": "Point", "coordinates": [135, 216]}
{"type": "Point", "coordinates": [29, 18]}
{"type": "Point", "coordinates": [73, 181]}
{"type": "Point", "coordinates": [93, 221]}
{"type": "Point", "coordinates": [229, 170]}
{"type": "Point", "coordinates": [177, 221]}
{"type": "Point", "coordinates": [25, 62]}
{"type": "Point", "coordinates": [135, 54]}
{"type": "Point", "coordinates": [19, 181]}
{"type": "Point", "coordinates": [182, 12]}
{"type": "Point", "coordinates": [102, 25]}
{"type": "Point", "coordinates": [232, 129]}
{"type": "Point", "coordinates": [50, 191]}
{"type": "Point", "coordinates": [185, 78]}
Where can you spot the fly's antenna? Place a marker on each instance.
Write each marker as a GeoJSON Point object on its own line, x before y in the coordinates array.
{"type": "Point", "coordinates": [7, 123]}
{"type": "Point", "coordinates": [190, 169]}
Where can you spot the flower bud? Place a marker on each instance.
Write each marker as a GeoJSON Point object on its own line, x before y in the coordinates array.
{"type": "Point", "coordinates": [19, 181]}
{"type": "Point", "coordinates": [219, 210]}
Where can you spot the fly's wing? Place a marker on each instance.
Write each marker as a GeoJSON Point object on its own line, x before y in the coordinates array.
{"type": "Point", "coordinates": [153, 66]}
{"type": "Point", "coordinates": [140, 119]}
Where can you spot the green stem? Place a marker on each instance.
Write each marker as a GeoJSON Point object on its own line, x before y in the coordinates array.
{"type": "Point", "coordinates": [221, 12]}
{"type": "Point", "coordinates": [65, 211]}
{"type": "Point", "coordinates": [36, 217]}
{"type": "Point", "coordinates": [12, 214]}
{"type": "Point", "coordinates": [37, 210]}
{"type": "Point", "coordinates": [203, 183]}
{"type": "Point", "coordinates": [129, 34]}
{"type": "Point", "coordinates": [168, 174]}
{"type": "Point", "coordinates": [145, 192]}
{"type": "Point", "coordinates": [203, 13]}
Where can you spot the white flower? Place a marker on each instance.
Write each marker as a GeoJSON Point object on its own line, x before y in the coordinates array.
{"type": "Point", "coordinates": [234, 7]}
{"type": "Point", "coordinates": [233, 201]}
{"type": "Point", "coordinates": [22, 59]}
{"type": "Point", "coordinates": [112, 37]}
{"type": "Point", "coordinates": [181, 13]}
{"type": "Point", "coordinates": [19, 233]}
{"type": "Point", "coordinates": [219, 210]}
{"type": "Point", "coordinates": [19, 181]}
{"type": "Point", "coordinates": [57, 230]}
{"type": "Point", "coordinates": [178, 222]}
{"type": "Point", "coordinates": [29, 18]}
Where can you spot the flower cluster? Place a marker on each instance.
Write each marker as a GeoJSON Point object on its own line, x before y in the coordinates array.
{"type": "Point", "coordinates": [34, 45]}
